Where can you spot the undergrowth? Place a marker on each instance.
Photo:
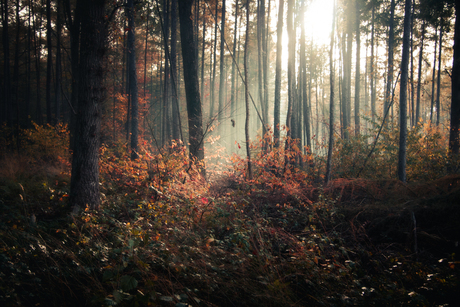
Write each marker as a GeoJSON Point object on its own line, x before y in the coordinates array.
{"type": "Point", "coordinates": [166, 237]}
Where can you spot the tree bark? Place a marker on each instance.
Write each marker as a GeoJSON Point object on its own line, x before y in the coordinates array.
{"type": "Point", "coordinates": [389, 86]}
{"type": "Point", "coordinates": [84, 188]}
{"type": "Point", "coordinates": [438, 92]}
{"type": "Point", "coordinates": [403, 94]}
{"type": "Point", "coordinates": [454, 140]}
{"type": "Point", "coordinates": [279, 49]}
{"type": "Point", "coordinates": [222, 69]}
{"type": "Point", "coordinates": [327, 177]}
{"type": "Point", "coordinates": [246, 94]}
{"type": "Point", "coordinates": [419, 81]}
{"type": "Point", "coordinates": [358, 68]}
{"type": "Point", "coordinates": [133, 90]}
{"type": "Point", "coordinates": [192, 90]}
{"type": "Point", "coordinates": [49, 61]}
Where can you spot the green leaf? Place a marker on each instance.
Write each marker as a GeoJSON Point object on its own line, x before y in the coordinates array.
{"type": "Point", "coordinates": [128, 283]}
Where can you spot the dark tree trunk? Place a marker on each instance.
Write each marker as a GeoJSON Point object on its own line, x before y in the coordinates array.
{"type": "Point", "coordinates": [7, 100]}
{"type": "Point", "coordinates": [133, 90]}
{"type": "Point", "coordinates": [214, 61]}
{"type": "Point", "coordinates": [246, 93]}
{"type": "Point", "coordinates": [222, 69]}
{"type": "Point", "coordinates": [49, 62]}
{"type": "Point", "coordinates": [434, 74]}
{"type": "Point", "coordinates": [327, 177]}
{"type": "Point", "coordinates": [358, 68]}
{"type": "Point", "coordinates": [372, 73]}
{"type": "Point", "coordinates": [277, 95]}
{"type": "Point", "coordinates": [234, 75]}
{"type": "Point", "coordinates": [389, 86]}
{"type": "Point", "coordinates": [192, 90]}
{"type": "Point", "coordinates": [57, 98]}
{"type": "Point", "coordinates": [419, 81]}
{"type": "Point", "coordinates": [454, 140]}
{"type": "Point", "coordinates": [37, 55]}
{"type": "Point", "coordinates": [175, 129]}
{"type": "Point", "coordinates": [403, 94]}
{"type": "Point", "coordinates": [291, 65]}
{"type": "Point", "coordinates": [74, 29]}
{"type": "Point", "coordinates": [84, 188]}
{"type": "Point", "coordinates": [438, 92]}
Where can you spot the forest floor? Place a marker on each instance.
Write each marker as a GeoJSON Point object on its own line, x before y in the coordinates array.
{"type": "Point", "coordinates": [162, 241]}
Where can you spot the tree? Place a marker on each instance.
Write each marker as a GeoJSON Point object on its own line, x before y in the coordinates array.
{"type": "Point", "coordinates": [403, 94]}
{"type": "Point", "coordinates": [331, 102]}
{"type": "Point", "coordinates": [222, 67]}
{"type": "Point", "coordinates": [279, 49]}
{"type": "Point", "coordinates": [358, 67]}
{"type": "Point", "coordinates": [454, 140]}
{"type": "Point", "coordinates": [388, 93]}
{"type": "Point", "coordinates": [133, 90]}
{"type": "Point", "coordinates": [246, 93]}
{"type": "Point", "coordinates": [192, 90]}
{"type": "Point", "coordinates": [84, 186]}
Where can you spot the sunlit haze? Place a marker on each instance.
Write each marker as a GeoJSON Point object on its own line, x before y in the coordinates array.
{"type": "Point", "coordinates": [318, 20]}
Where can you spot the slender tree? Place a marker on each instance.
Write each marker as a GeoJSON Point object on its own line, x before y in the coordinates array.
{"type": "Point", "coordinates": [246, 93]}
{"type": "Point", "coordinates": [133, 90]}
{"type": "Point", "coordinates": [358, 67]}
{"type": "Point", "coordinates": [277, 95]}
{"type": "Point", "coordinates": [419, 81]}
{"type": "Point", "coordinates": [389, 84]}
{"type": "Point", "coordinates": [222, 68]}
{"type": "Point", "coordinates": [331, 101]}
{"type": "Point", "coordinates": [403, 94]}
{"type": "Point", "coordinates": [438, 86]}
{"type": "Point", "coordinates": [49, 62]}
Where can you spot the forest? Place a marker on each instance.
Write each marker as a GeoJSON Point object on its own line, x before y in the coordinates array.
{"type": "Point", "coordinates": [229, 153]}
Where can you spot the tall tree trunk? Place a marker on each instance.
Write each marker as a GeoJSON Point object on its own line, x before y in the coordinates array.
{"type": "Point", "coordinates": [372, 73]}
{"type": "Point", "coordinates": [358, 68]}
{"type": "Point", "coordinates": [388, 92]}
{"type": "Point", "coordinates": [303, 99]}
{"type": "Point", "coordinates": [327, 177]}
{"type": "Point", "coordinates": [222, 69]}
{"type": "Point", "coordinates": [58, 78]}
{"type": "Point", "coordinates": [133, 90]}
{"type": "Point", "coordinates": [74, 25]}
{"type": "Point", "coordinates": [347, 72]}
{"type": "Point", "coordinates": [234, 75]}
{"type": "Point", "coordinates": [438, 93]}
{"type": "Point", "coordinates": [84, 187]}
{"type": "Point", "coordinates": [7, 100]}
{"type": "Point", "coordinates": [192, 91]}
{"type": "Point", "coordinates": [419, 81]}
{"type": "Point", "coordinates": [412, 89]}
{"type": "Point", "coordinates": [166, 131]}
{"type": "Point", "coordinates": [214, 61]}
{"type": "Point", "coordinates": [291, 66]}
{"type": "Point", "coordinates": [16, 72]}
{"type": "Point", "coordinates": [174, 80]}
{"type": "Point", "coordinates": [203, 48]}
{"type": "Point", "coordinates": [454, 137]}
{"type": "Point", "coordinates": [279, 49]}
{"type": "Point", "coordinates": [403, 94]}
{"type": "Point", "coordinates": [246, 94]}
{"type": "Point", "coordinates": [37, 55]}
{"type": "Point", "coordinates": [260, 70]}
{"type": "Point", "coordinates": [49, 62]}
{"type": "Point", "coordinates": [434, 73]}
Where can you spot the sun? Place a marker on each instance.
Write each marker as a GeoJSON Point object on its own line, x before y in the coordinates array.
{"type": "Point", "coordinates": [318, 21]}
